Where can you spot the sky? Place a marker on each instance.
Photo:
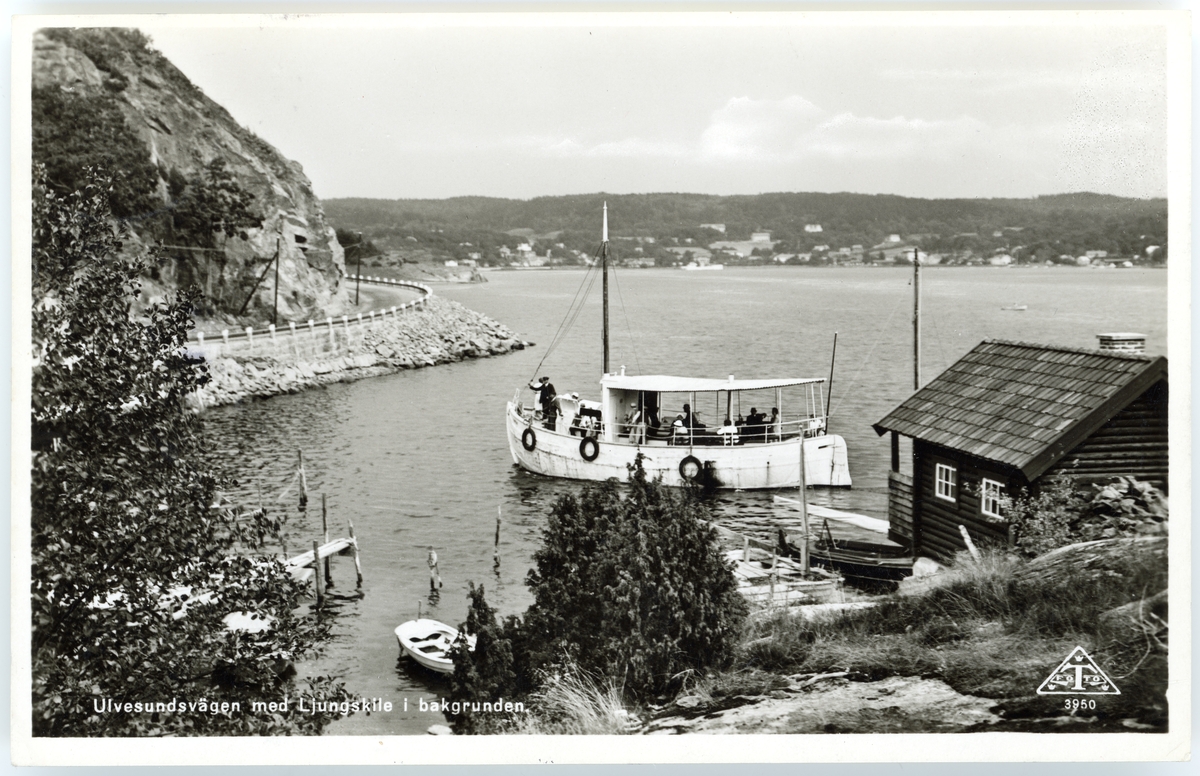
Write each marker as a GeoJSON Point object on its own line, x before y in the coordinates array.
{"type": "Point", "coordinates": [720, 104]}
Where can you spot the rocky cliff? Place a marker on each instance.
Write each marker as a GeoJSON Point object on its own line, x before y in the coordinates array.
{"type": "Point", "coordinates": [171, 137]}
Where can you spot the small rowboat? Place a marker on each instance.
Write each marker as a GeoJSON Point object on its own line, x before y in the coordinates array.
{"type": "Point", "coordinates": [767, 580]}
{"type": "Point", "coordinates": [428, 642]}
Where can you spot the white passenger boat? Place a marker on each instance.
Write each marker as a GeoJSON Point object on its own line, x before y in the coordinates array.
{"type": "Point", "coordinates": [428, 642]}
{"type": "Point", "coordinates": [655, 416]}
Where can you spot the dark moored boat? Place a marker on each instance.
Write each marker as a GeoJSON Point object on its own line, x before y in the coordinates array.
{"type": "Point", "coordinates": [861, 562]}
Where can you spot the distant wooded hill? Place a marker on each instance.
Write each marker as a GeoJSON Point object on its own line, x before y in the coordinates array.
{"type": "Point", "coordinates": [1066, 224]}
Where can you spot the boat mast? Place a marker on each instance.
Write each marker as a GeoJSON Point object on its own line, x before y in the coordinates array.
{"type": "Point", "coordinates": [604, 284]}
{"type": "Point", "coordinates": [916, 320]}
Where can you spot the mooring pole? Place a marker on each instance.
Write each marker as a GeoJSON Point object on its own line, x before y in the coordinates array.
{"type": "Point", "coordinates": [496, 546]}
{"type": "Point", "coordinates": [435, 577]}
{"type": "Point", "coordinates": [325, 529]}
{"type": "Point", "coordinates": [803, 509]}
{"type": "Point", "coordinates": [317, 586]}
{"type": "Point", "coordinates": [303, 481]}
{"type": "Point", "coordinates": [357, 565]}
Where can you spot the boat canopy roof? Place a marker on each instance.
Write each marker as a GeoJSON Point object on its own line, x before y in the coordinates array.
{"type": "Point", "coordinates": [667, 383]}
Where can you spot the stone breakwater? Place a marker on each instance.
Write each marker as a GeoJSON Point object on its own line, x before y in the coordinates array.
{"type": "Point", "coordinates": [440, 332]}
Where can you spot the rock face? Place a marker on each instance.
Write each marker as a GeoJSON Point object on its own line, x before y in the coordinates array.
{"type": "Point", "coordinates": [183, 132]}
{"type": "Point", "coordinates": [440, 332]}
{"type": "Point", "coordinates": [833, 704]}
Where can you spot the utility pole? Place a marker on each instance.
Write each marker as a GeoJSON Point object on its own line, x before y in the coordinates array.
{"type": "Point", "coordinates": [358, 272]}
{"type": "Point", "coordinates": [275, 308]}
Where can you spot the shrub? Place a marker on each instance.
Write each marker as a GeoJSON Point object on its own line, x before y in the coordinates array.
{"type": "Point", "coordinates": [633, 588]}
{"type": "Point", "coordinates": [73, 132]}
{"type": "Point", "coordinates": [214, 203]}
{"type": "Point", "coordinates": [488, 672]}
{"type": "Point", "coordinates": [629, 590]}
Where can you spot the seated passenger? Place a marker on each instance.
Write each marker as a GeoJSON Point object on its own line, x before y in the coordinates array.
{"type": "Point", "coordinates": [728, 433]}
{"type": "Point", "coordinates": [679, 431]}
{"type": "Point", "coordinates": [755, 430]}
{"type": "Point", "coordinates": [775, 426]}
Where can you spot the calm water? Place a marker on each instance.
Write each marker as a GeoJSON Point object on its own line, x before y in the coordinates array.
{"type": "Point", "coordinates": [420, 457]}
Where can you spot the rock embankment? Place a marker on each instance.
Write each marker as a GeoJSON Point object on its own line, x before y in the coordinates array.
{"type": "Point", "coordinates": [441, 332]}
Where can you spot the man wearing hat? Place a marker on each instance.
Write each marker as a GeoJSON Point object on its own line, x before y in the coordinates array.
{"type": "Point", "coordinates": [546, 394]}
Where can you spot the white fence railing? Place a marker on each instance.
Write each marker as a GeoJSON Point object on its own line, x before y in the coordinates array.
{"type": "Point", "coordinates": [303, 337]}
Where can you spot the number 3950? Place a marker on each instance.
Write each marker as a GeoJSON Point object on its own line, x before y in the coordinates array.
{"type": "Point", "coordinates": [1077, 704]}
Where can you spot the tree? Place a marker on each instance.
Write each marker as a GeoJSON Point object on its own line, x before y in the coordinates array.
{"type": "Point", "coordinates": [214, 203]}
{"type": "Point", "coordinates": [74, 131]}
{"type": "Point", "coordinates": [136, 560]}
{"type": "Point", "coordinates": [633, 588]}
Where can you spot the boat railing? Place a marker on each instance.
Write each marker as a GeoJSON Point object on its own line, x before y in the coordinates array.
{"type": "Point", "coordinates": [585, 425]}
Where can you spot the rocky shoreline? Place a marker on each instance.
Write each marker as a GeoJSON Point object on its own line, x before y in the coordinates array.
{"type": "Point", "coordinates": [440, 332]}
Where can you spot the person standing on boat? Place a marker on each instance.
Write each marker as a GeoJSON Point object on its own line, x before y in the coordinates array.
{"type": "Point", "coordinates": [546, 394]}
{"type": "Point", "coordinates": [775, 426]}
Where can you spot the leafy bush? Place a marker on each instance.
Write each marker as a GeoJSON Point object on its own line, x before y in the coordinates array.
{"type": "Point", "coordinates": [629, 589]}
{"type": "Point", "coordinates": [135, 559]}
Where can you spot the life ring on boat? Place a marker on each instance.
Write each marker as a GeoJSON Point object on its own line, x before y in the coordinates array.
{"type": "Point", "coordinates": [690, 468]}
{"type": "Point", "coordinates": [589, 448]}
{"type": "Point", "coordinates": [528, 439]}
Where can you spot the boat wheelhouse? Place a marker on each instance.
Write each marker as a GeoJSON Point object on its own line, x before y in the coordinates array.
{"type": "Point", "coordinates": [685, 428]}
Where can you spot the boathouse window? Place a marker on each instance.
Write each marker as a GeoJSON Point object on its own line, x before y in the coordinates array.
{"type": "Point", "coordinates": [989, 498]}
{"type": "Point", "coordinates": [946, 477]}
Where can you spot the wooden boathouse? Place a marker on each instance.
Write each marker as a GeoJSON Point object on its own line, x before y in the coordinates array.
{"type": "Point", "coordinates": [1009, 415]}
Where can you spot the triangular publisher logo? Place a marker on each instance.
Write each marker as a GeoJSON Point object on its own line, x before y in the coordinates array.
{"type": "Point", "coordinates": [1078, 675]}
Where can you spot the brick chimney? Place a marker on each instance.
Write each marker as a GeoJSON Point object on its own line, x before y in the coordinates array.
{"type": "Point", "coordinates": [1123, 342]}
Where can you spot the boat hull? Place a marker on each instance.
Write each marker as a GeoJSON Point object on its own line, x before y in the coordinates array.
{"type": "Point", "coordinates": [428, 642]}
{"type": "Point", "coordinates": [740, 467]}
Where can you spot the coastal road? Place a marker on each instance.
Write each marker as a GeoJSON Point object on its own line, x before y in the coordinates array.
{"type": "Point", "coordinates": [377, 297]}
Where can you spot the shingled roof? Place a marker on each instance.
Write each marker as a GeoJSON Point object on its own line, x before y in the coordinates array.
{"type": "Point", "coordinates": [1023, 404]}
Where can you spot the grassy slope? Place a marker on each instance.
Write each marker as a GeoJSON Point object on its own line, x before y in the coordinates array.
{"type": "Point", "coordinates": [994, 629]}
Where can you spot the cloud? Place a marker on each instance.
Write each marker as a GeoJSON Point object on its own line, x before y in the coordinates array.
{"type": "Point", "coordinates": [758, 129]}
{"type": "Point", "coordinates": [793, 142]}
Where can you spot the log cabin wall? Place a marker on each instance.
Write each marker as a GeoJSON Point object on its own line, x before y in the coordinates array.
{"type": "Point", "coordinates": [900, 508]}
{"type": "Point", "coordinates": [938, 519]}
{"type": "Point", "coordinates": [1132, 444]}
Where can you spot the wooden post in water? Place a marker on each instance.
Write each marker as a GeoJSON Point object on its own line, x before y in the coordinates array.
{"type": "Point", "coordinates": [496, 546]}
{"type": "Point", "coordinates": [745, 549]}
{"type": "Point", "coordinates": [317, 586]}
{"type": "Point", "coordinates": [803, 509]}
{"type": "Point", "coordinates": [303, 482]}
{"type": "Point", "coordinates": [325, 530]}
{"type": "Point", "coordinates": [357, 565]}
{"type": "Point", "coordinates": [435, 577]}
